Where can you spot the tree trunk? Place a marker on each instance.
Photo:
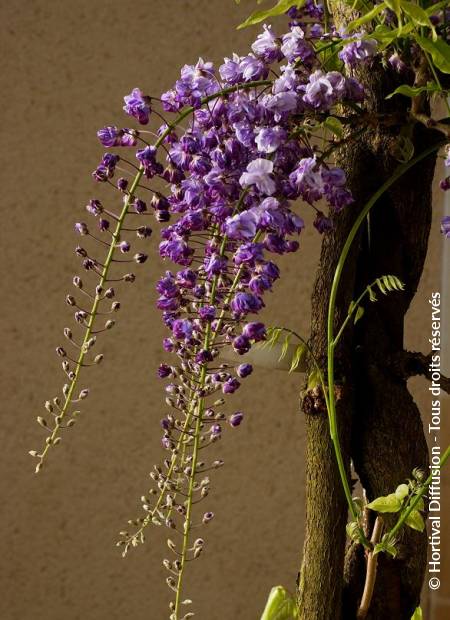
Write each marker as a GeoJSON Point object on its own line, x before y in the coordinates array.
{"type": "Point", "coordinates": [379, 424]}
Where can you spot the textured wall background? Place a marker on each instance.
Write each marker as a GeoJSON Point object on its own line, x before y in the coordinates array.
{"type": "Point", "coordinates": [64, 69]}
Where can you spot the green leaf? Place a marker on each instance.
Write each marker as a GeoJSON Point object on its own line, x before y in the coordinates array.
{"type": "Point", "coordinates": [273, 335]}
{"type": "Point", "coordinates": [334, 125]}
{"type": "Point", "coordinates": [413, 91]}
{"type": "Point", "coordinates": [395, 6]}
{"type": "Point", "coordinates": [359, 314]}
{"type": "Point", "coordinates": [401, 491]}
{"type": "Point", "coordinates": [416, 13]}
{"type": "Point", "coordinates": [438, 50]}
{"type": "Point", "coordinates": [415, 521]}
{"type": "Point", "coordinates": [281, 7]}
{"type": "Point", "coordinates": [387, 503]}
{"type": "Point", "coordinates": [368, 17]}
{"type": "Point", "coordinates": [372, 295]}
{"type": "Point", "coordinates": [352, 530]}
{"type": "Point", "coordinates": [417, 615]}
{"type": "Point", "coordinates": [420, 505]}
{"type": "Point", "coordinates": [298, 357]}
{"type": "Point", "coordinates": [313, 379]}
{"type": "Point", "coordinates": [285, 347]}
{"type": "Point", "coordinates": [280, 606]}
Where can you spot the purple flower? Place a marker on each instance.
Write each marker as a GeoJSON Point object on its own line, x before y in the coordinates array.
{"type": "Point", "coordinates": [109, 136]}
{"type": "Point", "coordinates": [167, 286]}
{"type": "Point", "coordinates": [322, 223]}
{"type": "Point", "coordinates": [282, 102]}
{"type": "Point", "coordinates": [245, 303]}
{"type": "Point", "coordinates": [244, 370]}
{"type": "Point", "coordinates": [147, 158]}
{"type": "Point", "coordinates": [81, 228]}
{"type": "Point", "coordinates": [204, 356]}
{"type": "Point", "coordinates": [164, 371]}
{"type": "Point", "coordinates": [124, 246]}
{"type": "Point", "coordinates": [252, 68]}
{"type": "Point", "coordinates": [295, 47]}
{"type": "Point", "coordinates": [258, 174]}
{"type": "Point", "coordinates": [138, 105]}
{"type": "Point", "coordinates": [255, 331]}
{"type": "Point", "coordinates": [249, 253]}
{"type": "Point", "coordinates": [230, 386]}
{"type": "Point", "coordinates": [207, 313]}
{"type": "Point", "coordinates": [267, 46]}
{"type": "Point", "coordinates": [358, 51]}
{"type": "Point", "coordinates": [182, 329]}
{"type": "Point", "coordinates": [241, 344]}
{"type": "Point", "coordinates": [306, 178]}
{"type": "Point", "coordinates": [445, 226]}
{"type": "Point", "coordinates": [236, 419]}
{"type": "Point", "coordinates": [94, 207]}
{"type": "Point", "coordinates": [319, 92]}
{"type": "Point", "coordinates": [270, 138]}
{"type": "Point", "coordinates": [231, 71]}
{"type": "Point", "coordinates": [397, 63]}
{"type": "Point", "coordinates": [241, 226]}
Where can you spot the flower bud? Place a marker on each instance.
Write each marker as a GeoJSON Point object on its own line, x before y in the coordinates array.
{"type": "Point", "coordinates": [77, 282]}
{"type": "Point", "coordinates": [140, 258]}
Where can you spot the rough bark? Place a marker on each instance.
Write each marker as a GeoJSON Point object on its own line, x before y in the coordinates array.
{"type": "Point", "coordinates": [380, 425]}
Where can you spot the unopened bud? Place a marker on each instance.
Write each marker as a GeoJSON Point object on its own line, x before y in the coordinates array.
{"type": "Point", "coordinates": [98, 358]}
{"type": "Point", "coordinates": [129, 277]}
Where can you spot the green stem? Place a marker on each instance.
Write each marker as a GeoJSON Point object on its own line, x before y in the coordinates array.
{"type": "Point", "coordinates": [398, 173]}
{"type": "Point", "coordinates": [92, 316]}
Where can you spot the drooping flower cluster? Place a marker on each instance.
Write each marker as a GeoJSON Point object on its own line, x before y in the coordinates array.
{"type": "Point", "coordinates": [230, 189]}
{"type": "Point", "coordinates": [226, 189]}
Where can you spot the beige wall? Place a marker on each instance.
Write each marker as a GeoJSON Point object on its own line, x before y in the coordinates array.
{"type": "Point", "coordinates": [65, 67]}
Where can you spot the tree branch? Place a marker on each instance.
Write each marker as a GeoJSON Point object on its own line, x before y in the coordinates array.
{"type": "Point", "coordinates": [406, 364]}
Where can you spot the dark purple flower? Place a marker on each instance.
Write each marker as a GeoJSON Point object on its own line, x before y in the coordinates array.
{"type": "Point", "coordinates": [445, 226]}
{"type": "Point", "coordinates": [139, 205]}
{"type": "Point", "coordinates": [236, 419]}
{"type": "Point", "coordinates": [103, 224]}
{"type": "Point", "coordinates": [241, 344]}
{"type": "Point", "coordinates": [167, 286]}
{"type": "Point", "coordinates": [124, 246]}
{"type": "Point", "coordinates": [255, 331]}
{"type": "Point", "coordinates": [94, 207]}
{"type": "Point", "coordinates": [138, 105]}
{"type": "Point", "coordinates": [245, 303]}
{"type": "Point", "coordinates": [230, 386]}
{"type": "Point", "coordinates": [182, 329]}
{"type": "Point", "coordinates": [203, 356]}
{"type": "Point", "coordinates": [147, 158]}
{"type": "Point", "coordinates": [322, 223]}
{"type": "Point", "coordinates": [164, 371]}
{"type": "Point", "coordinates": [81, 228]}
{"type": "Point", "coordinates": [207, 313]}
{"type": "Point", "coordinates": [244, 370]}
{"type": "Point", "coordinates": [241, 226]}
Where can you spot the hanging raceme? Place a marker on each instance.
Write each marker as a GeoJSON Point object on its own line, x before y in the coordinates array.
{"type": "Point", "coordinates": [249, 149]}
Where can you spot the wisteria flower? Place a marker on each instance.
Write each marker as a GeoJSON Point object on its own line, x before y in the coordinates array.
{"type": "Point", "coordinates": [258, 174]}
